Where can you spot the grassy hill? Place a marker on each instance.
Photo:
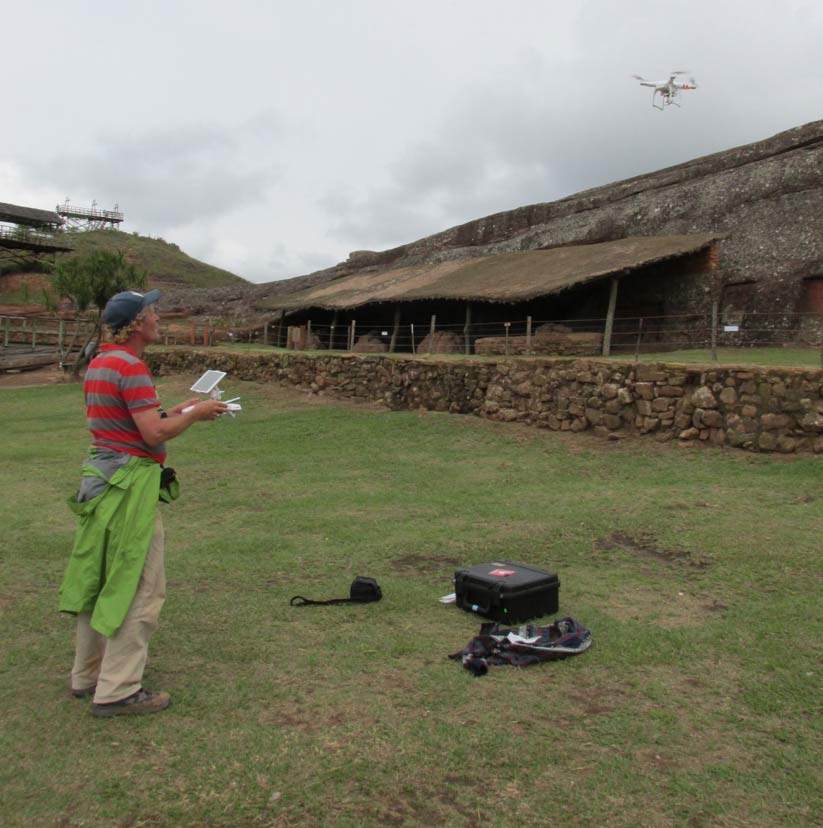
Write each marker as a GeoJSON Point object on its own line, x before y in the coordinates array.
{"type": "Point", "coordinates": [165, 262]}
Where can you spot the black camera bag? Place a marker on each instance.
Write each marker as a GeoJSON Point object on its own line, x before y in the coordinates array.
{"type": "Point", "coordinates": [362, 591]}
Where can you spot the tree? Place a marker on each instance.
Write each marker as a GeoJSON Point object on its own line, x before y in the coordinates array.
{"type": "Point", "coordinates": [92, 280]}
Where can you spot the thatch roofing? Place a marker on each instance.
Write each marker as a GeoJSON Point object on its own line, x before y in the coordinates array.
{"type": "Point", "coordinates": [509, 277]}
{"type": "Point", "coordinates": [28, 216]}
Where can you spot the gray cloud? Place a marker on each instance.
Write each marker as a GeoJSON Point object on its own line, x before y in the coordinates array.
{"type": "Point", "coordinates": [281, 263]}
{"type": "Point", "coordinates": [274, 139]}
{"type": "Point", "coordinates": [541, 128]}
{"type": "Point", "coordinates": [170, 176]}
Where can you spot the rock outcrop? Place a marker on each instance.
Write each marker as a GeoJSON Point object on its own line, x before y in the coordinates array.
{"type": "Point", "coordinates": [763, 200]}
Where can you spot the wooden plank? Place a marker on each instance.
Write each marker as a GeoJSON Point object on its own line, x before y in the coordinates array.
{"type": "Point", "coordinates": [31, 360]}
{"type": "Point", "coordinates": [607, 334]}
{"type": "Point", "coordinates": [395, 329]}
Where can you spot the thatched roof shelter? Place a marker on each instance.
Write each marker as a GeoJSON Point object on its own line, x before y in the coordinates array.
{"type": "Point", "coordinates": [28, 216]}
{"type": "Point", "coordinates": [508, 277]}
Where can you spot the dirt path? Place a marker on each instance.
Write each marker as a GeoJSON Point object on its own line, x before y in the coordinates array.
{"type": "Point", "coordinates": [49, 375]}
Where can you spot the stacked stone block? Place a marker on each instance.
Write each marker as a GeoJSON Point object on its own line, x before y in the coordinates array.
{"type": "Point", "coordinates": [756, 409]}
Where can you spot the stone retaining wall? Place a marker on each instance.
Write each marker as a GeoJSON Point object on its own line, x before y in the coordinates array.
{"type": "Point", "coordinates": [757, 409]}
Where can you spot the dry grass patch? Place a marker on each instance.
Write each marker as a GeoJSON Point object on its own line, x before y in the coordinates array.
{"type": "Point", "coordinates": [645, 545]}
{"type": "Point", "coordinates": [669, 608]}
{"type": "Point", "coordinates": [438, 565]}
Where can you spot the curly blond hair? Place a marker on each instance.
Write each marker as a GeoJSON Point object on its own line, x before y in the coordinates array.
{"type": "Point", "coordinates": [121, 335]}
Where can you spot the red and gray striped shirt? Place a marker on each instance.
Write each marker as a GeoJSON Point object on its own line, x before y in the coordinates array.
{"type": "Point", "coordinates": [117, 384]}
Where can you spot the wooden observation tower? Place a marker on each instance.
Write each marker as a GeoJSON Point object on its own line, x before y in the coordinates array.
{"type": "Point", "coordinates": [89, 218]}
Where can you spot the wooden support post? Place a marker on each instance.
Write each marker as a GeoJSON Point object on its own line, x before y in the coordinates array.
{"type": "Point", "coordinates": [507, 325]}
{"type": "Point", "coordinates": [266, 333]}
{"type": "Point", "coordinates": [714, 331]}
{"type": "Point", "coordinates": [34, 334]}
{"type": "Point", "coordinates": [352, 334]}
{"type": "Point", "coordinates": [331, 330]}
{"type": "Point", "coordinates": [412, 337]}
{"type": "Point", "coordinates": [74, 336]}
{"type": "Point", "coordinates": [431, 332]}
{"type": "Point", "coordinates": [280, 321]}
{"type": "Point", "coordinates": [61, 332]}
{"type": "Point", "coordinates": [639, 337]}
{"type": "Point", "coordinates": [206, 332]}
{"type": "Point", "coordinates": [607, 333]}
{"type": "Point", "coordinates": [467, 346]}
{"type": "Point", "coordinates": [395, 329]}
{"type": "Point", "coordinates": [8, 329]}
{"type": "Point", "coordinates": [193, 334]}
{"type": "Point", "coordinates": [528, 334]}
{"type": "Point", "coordinates": [308, 334]}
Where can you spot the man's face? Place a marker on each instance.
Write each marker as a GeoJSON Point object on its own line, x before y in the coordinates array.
{"type": "Point", "coordinates": [149, 325]}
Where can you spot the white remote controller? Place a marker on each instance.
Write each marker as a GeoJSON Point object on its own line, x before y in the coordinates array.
{"type": "Point", "coordinates": [232, 407]}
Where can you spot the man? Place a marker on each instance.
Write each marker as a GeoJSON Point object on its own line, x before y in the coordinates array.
{"type": "Point", "coordinates": [115, 580]}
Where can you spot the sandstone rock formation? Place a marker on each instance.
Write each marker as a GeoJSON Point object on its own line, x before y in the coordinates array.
{"type": "Point", "coordinates": [764, 200]}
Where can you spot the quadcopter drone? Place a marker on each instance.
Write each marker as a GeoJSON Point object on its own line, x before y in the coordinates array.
{"type": "Point", "coordinates": [668, 90]}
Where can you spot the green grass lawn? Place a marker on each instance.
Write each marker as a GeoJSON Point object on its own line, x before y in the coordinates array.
{"type": "Point", "coordinates": [794, 357]}
{"type": "Point", "coordinates": [698, 571]}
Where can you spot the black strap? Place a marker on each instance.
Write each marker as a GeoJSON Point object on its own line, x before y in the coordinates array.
{"type": "Point", "coordinates": [300, 601]}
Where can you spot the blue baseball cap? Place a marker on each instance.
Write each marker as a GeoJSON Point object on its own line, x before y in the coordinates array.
{"type": "Point", "coordinates": [122, 308]}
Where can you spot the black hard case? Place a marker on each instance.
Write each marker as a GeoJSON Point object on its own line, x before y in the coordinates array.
{"type": "Point", "coordinates": [528, 593]}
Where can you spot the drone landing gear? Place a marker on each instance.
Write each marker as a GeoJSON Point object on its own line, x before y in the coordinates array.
{"type": "Point", "coordinates": [665, 100]}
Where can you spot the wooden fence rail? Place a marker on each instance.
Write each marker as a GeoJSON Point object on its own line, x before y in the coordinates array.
{"type": "Point", "coordinates": [20, 335]}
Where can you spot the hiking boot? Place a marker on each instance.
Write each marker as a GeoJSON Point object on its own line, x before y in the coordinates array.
{"type": "Point", "coordinates": [84, 693]}
{"type": "Point", "coordinates": [137, 704]}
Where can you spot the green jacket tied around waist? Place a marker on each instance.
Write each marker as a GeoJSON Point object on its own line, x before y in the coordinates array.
{"type": "Point", "coordinates": [111, 544]}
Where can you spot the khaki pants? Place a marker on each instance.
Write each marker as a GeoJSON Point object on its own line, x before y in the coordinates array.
{"type": "Point", "coordinates": [116, 664]}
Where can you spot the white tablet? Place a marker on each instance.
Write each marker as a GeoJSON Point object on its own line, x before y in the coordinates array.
{"type": "Point", "coordinates": [207, 382]}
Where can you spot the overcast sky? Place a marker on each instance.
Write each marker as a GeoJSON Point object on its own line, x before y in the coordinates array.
{"type": "Point", "coordinates": [274, 137]}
